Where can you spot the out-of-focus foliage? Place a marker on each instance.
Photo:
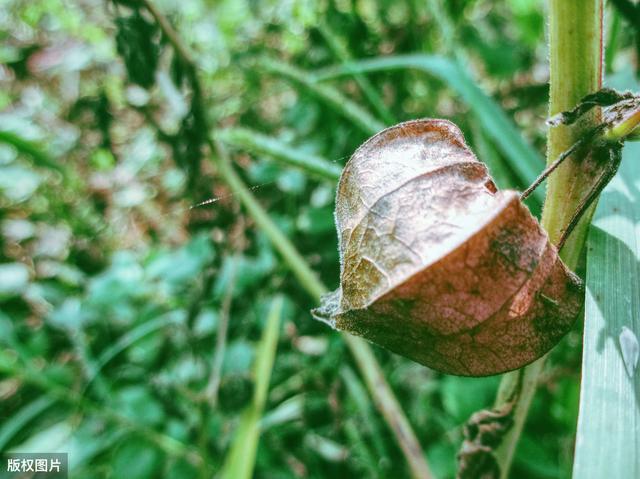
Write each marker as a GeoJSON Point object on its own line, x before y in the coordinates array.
{"type": "Point", "coordinates": [113, 292]}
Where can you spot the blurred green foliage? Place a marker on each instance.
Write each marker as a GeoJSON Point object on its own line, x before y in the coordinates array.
{"type": "Point", "coordinates": [113, 291]}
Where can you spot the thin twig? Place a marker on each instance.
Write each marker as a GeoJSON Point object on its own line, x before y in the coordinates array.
{"type": "Point", "coordinates": [365, 359]}
{"type": "Point", "coordinates": [550, 169]}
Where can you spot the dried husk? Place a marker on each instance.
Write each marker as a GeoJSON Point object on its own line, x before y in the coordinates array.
{"type": "Point", "coordinates": [439, 266]}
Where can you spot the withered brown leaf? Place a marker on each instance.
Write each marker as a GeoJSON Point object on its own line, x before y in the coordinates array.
{"type": "Point", "coordinates": [439, 266]}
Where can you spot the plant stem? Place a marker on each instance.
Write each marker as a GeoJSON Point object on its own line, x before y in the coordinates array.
{"type": "Point", "coordinates": [370, 369]}
{"type": "Point", "coordinates": [575, 44]}
{"type": "Point", "coordinates": [576, 57]}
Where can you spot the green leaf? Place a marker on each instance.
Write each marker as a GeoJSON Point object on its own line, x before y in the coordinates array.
{"type": "Point", "coordinates": [255, 142]}
{"type": "Point", "coordinates": [136, 459]}
{"type": "Point", "coordinates": [20, 419]}
{"type": "Point", "coordinates": [40, 157]}
{"type": "Point", "coordinates": [524, 160]}
{"type": "Point", "coordinates": [341, 51]}
{"type": "Point", "coordinates": [241, 458]}
{"type": "Point", "coordinates": [609, 420]}
{"type": "Point", "coordinates": [342, 105]}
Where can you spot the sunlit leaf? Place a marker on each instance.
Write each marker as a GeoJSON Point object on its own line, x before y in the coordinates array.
{"type": "Point", "coordinates": [609, 421]}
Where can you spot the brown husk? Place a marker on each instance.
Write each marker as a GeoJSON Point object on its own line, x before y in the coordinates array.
{"type": "Point", "coordinates": [438, 266]}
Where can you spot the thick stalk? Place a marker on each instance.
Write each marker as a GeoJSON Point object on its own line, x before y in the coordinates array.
{"type": "Point", "coordinates": [575, 52]}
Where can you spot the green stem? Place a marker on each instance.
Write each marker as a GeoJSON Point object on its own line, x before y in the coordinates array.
{"type": "Point", "coordinates": [576, 70]}
{"type": "Point", "coordinates": [575, 44]}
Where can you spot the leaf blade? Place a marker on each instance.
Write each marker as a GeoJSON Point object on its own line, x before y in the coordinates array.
{"type": "Point", "coordinates": [609, 396]}
{"type": "Point", "coordinates": [240, 460]}
{"type": "Point", "coordinates": [361, 118]}
{"type": "Point", "coordinates": [255, 142]}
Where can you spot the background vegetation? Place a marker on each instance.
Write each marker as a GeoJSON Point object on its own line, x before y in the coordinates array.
{"type": "Point", "coordinates": [130, 323]}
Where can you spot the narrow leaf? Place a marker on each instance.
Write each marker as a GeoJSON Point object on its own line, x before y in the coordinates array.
{"type": "Point", "coordinates": [20, 419]}
{"type": "Point", "coordinates": [340, 50]}
{"type": "Point", "coordinates": [255, 142]}
{"type": "Point", "coordinates": [40, 157]}
{"type": "Point", "coordinates": [342, 105]}
{"type": "Point", "coordinates": [241, 458]}
{"type": "Point", "coordinates": [608, 436]}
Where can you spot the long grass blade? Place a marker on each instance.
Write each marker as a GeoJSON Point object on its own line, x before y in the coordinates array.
{"type": "Point", "coordinates": [341, 52]}
{"type": "Point", "coordinates": [241, 459]}
{"type": "Point", "coordinates": [608, 437]}
{"type": "Point", "coordinates": [361, 118]}
{"type": "Point", "coordinates": [36, 152]}
{"type": "Point", "coordinates": [257, 143]}
{"type": "Point", "coordinates": [20, 419]}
